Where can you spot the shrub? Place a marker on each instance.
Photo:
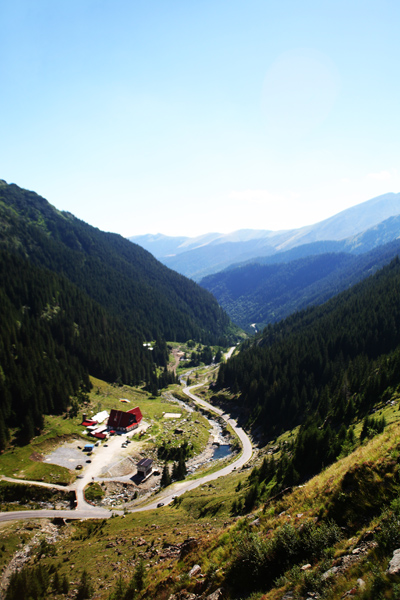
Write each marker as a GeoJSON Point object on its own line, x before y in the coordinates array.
{"type": "Point", "coordinates": [388, 537]}
{"type": "Point", "coordinates": [259, 562]}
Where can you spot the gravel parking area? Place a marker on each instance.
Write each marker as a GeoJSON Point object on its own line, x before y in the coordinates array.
{"type": "Point", "coordinates": [68, 455]}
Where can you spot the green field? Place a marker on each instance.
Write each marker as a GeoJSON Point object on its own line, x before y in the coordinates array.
{"type": "Point", "coordinates": [26, 462]}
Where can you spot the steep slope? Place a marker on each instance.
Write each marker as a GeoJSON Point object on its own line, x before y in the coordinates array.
{"type": "Point", "coordinates": [258, 294]}
{"type": "Point", "coordinates": [126, 280]}
{"type": "Point", "coordinates": [198, 257]}
{"type": "Point", "coordinates": [52, 335]}
{"type": "Point", "coordinates": [322, 367]}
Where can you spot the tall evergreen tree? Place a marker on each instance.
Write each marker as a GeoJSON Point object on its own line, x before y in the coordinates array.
{"type": "Point", "coordinates": [166, 476]}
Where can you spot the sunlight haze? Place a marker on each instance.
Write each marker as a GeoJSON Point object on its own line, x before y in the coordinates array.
{"type": "Point", "coordinates": [184, 118]}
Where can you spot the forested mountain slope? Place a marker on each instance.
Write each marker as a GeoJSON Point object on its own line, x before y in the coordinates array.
{"type": "Point", "coordinates": [76, 301]}
{"type": "Point", "coordinates": [321, 369]}
{"type": "Point", "coordinates": [265, 293]}
{"type": "Point", "coordinates": [150, 299]}
{"type": "Point", "coordinates": [52, 335]}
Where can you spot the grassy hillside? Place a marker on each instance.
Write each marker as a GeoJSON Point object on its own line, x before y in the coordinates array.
{"type": "Point", "coordinates": [333, 534]}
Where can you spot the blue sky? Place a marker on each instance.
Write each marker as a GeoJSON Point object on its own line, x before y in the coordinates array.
{"type": "Point", "coordinates": [184, 117]}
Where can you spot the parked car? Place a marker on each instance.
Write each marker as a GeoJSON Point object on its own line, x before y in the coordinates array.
{"type": "Point", "coordinates": [78, 467]}
{"type": "Point", "coordinates": [89, 461]}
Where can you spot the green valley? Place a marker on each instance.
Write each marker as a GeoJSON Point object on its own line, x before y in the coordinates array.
{"type": "Point", "coordinates": [92, 324]}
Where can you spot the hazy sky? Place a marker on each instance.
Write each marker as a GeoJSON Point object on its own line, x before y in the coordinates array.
{"type": "Point", "coordinates": [189, 116]}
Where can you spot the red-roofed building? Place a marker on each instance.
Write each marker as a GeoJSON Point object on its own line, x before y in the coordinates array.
{"type": "Point", "coordinates": [124, 421]}
{"type": "Point", "coordinates": [89, 423]}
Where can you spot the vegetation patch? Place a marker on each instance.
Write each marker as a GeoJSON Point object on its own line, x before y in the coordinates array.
{"type": "Point", "coordinates": [94, 492]}
{"type": "Point", "coordinates": [19, 496]}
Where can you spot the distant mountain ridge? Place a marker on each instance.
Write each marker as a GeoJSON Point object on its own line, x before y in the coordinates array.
{"type": "Point", "coordinates": [257, 294]}
{"type": "Point", "coordinates": [213, 252]}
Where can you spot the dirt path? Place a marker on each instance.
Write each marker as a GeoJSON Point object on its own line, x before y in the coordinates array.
{"type": "Point", "coordinates": [177, 354]}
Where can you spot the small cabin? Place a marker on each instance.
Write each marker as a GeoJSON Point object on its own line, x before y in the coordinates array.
{"type": "Point", "coordinates": [144, 466]}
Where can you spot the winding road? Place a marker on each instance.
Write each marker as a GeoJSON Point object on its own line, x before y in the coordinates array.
{"type": "Point", "coordinates": [87, 511]}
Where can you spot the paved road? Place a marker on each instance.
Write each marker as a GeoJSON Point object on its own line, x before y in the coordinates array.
{"type": "Point", "coordinates": [179, 488]}
{"type": "Point", "coordinates": [86, 511]}
{"type": "Point", "coordinates": [93, 513]}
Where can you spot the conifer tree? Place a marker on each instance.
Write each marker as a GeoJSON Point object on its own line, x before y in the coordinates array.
{"type": "Point", "coordinates": [85, 589]}
{"type": "Point", "coordinates": [119, 591]}
{"type": "Point", "coordinates": [65, 584]}
{"type": "Point", "coordinates": [139, 575]}
{"type": "Point", "coordinates": [57, 583]}
{"type": "Point", "coordinates": [166, 476]}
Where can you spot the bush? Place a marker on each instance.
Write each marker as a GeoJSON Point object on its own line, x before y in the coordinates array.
{"type": "Point", "coordinates": [315, 540]}
{"type": "Point", "coordinates": [258, 562]}
{"type": "Point", "coordinates": [94, 492]}
{"type": "Point", "coordinates": [249, 567]}
{"type": "Point", "coordinates": [388, 537]}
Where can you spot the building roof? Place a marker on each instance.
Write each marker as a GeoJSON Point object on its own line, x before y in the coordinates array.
{"type": "Point", "coordinates": [89, 423]}
{"type": "Point", "coordinates": [145, 462]}
{"type": "Point", "coordinates": [119, 418]}
{"type": "Point", "coordinates": [100, 429]}
{"type": "Point", "coordinates": [101, 416]}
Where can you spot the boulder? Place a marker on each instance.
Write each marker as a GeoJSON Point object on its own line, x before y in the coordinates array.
{"type": "Point", "coordinates": [217, 595]}
{"type": "Point", "coordinates": [329, 573]}
{"type": "Point", "coordinates": [394, 565]}
{"type": "Point", "coordinates": [194, 571]}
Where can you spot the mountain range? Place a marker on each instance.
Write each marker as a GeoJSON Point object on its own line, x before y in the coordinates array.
{"type": "Point", "coordinates": [150, 299]}
{"type": "Point", "coordinates": [213, 252]}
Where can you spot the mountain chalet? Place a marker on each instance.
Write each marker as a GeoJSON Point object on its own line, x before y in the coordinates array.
{"type": "Point", "coordinates": [124, 421]}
